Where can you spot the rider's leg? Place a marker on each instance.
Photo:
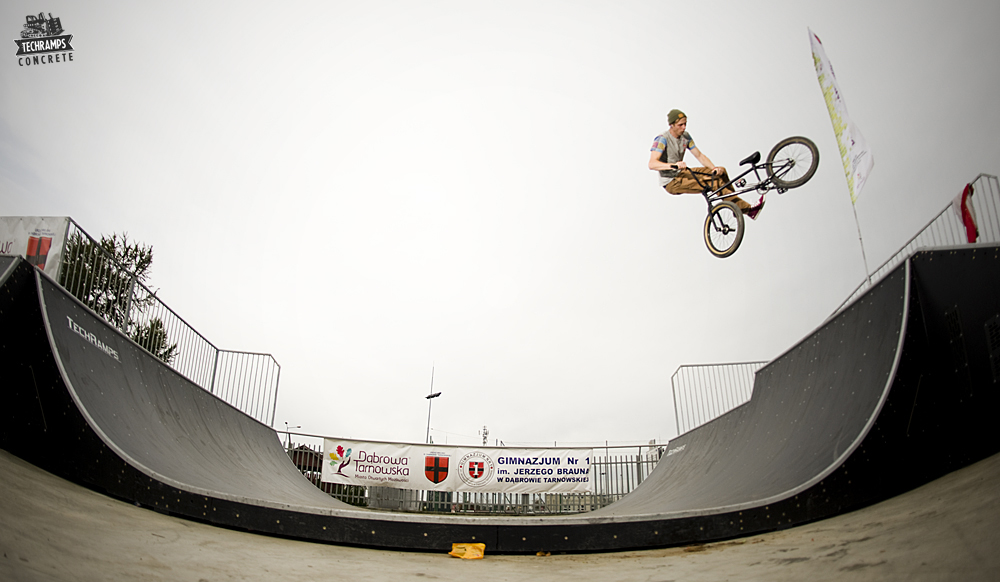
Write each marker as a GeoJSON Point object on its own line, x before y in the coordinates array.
{"type": "Point", "coordinates": [741, 203]}
{"type": "Point", "coordinates": [684, 184]}
{"type": "Point", "coordinates": [721, 178]}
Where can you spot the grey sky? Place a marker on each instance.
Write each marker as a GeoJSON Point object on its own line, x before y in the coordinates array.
{"type": "Point", "coordinates": [367, 190]}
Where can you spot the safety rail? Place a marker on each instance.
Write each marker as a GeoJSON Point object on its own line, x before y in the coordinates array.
{"type": "Point", "coordinates": [704, 392]}
{"type": "Point", "coordinates": [92, 274]}
{"type": "Point", "coordinates": [945, 229]}
{"type": "Point", "coordinates": [614, 474]}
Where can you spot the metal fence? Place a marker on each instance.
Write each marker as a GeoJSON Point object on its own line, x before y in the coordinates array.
{"type": "Point", "coordinates": [91, 273]}
{"type": "Point", "coordinates": [946, 229]}
{"type": "Point", "coordinates": [704, 392]}
{"type": "Point", "coordinates": [614, 474]}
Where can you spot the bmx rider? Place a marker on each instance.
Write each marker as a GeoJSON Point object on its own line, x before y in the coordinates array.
{"type": "Point", "coordinates": [667, 157]}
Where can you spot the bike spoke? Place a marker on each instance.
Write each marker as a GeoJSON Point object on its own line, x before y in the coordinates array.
{"type": "Point", "coordinates": [723, 230]}
{"type": "Point", "coordinates": [792, 162]}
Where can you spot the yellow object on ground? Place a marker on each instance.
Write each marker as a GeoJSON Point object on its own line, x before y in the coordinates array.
{"type": "Point", "coordinates": [468, 551]}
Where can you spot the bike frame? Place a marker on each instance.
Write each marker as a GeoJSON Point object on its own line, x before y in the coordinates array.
{"type": "Point", "coordinates": [762, 185]}
{"type": "Point", "coordinates": [724, 224]}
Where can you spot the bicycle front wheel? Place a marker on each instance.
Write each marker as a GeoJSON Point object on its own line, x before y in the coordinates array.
{"type": "Point", "coordinates": [724, 229]}
{"type": "Point", "coordinates": [792, 162]}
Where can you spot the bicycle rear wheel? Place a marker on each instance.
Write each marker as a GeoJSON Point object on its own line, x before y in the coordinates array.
{"type": "Point", "coordinates": [723, 229]}
{"type": "Point", "coordinates": [792, 162]}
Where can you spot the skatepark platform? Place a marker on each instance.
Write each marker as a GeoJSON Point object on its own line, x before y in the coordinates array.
{"type": "Point", "coordinates": [51, 529]}
{"type": "Point", "coordinates": [894, 391]}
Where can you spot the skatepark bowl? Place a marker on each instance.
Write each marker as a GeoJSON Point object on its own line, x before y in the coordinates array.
{"type": "Point", "coordinates": [897, 389]}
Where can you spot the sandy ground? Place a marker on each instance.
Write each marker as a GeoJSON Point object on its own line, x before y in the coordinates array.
{"type": "Point", "coordinates": [51, 529]}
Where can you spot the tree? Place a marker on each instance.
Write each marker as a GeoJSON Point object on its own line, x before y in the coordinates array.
{"type": "Point", "coordinates": [110, 277]}
{"type": "Point", "coordinates": [153, 337]}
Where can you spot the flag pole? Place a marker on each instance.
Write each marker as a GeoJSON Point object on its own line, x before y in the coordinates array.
{"type": "Point", "coordinates": [854, 152]}
{"type": "Point", "coordinates": [861, 240]}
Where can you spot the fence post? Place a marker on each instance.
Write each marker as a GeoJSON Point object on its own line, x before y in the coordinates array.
{"type": "Point", "coordinates": [277, 383]}
{"type": "Point", "coordinates": [215, 367]}
{"type": "Point", "coordinates": [638, 467]}
{"type": "Point", "coordinates": [677, 420]}
{"type": "Point", "coordinates": [128, 306]}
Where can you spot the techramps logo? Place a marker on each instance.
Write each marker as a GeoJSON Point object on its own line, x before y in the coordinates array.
{"type": "Point", "coordinates": [42, 42]}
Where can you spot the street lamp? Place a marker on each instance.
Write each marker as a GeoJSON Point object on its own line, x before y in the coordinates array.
{"type": "Point", "coordinates": [430, 398]}
{"type": "Point", "coordinates": [288, 435]}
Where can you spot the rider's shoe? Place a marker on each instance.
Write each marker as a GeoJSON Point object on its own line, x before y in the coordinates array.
{"type": "Point", "coordinates": [755, 210]}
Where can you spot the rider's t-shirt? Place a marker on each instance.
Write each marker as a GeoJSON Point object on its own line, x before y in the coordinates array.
{"type": "Point", "coordinates": [674, 148]}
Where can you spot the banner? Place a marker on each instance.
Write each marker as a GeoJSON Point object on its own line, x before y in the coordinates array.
{"type": "Point", "coordinates": [854, 152]}
{"type": "Point", "coordinates": [40, 240]}
{"type": "Point", "coordinates": [450, 468]}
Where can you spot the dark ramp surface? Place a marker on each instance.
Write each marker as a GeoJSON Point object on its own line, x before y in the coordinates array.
{"type": "Point", "coordinates": [810, 410]}
{"type": "Point", "coordinates": [892, 392]}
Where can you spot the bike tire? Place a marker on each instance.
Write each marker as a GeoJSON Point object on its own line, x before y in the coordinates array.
{"type": "Point", "coordinates": [724, 229]}
{"type": "Point", "coordinates": [804, 158]}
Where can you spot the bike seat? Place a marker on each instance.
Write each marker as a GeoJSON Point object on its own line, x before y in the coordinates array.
{"type": "Point", "coordinates": [751, 159]}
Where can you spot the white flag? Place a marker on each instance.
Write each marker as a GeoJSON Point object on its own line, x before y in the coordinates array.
{"type": "Point", "coordinates": [854, 151]}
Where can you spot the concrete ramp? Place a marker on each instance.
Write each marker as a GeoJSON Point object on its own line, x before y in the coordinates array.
{"type": "Point", "coordinates": [897, 389]}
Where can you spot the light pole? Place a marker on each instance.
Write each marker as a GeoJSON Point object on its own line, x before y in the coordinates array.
{"type": "Point", "coordinates": [288, 435]}
{"type": "Point", "coordinates": [430, 398]}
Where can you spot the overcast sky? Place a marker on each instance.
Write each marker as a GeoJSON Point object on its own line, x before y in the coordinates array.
{"type": "Point", "coordinates": [369, 189]}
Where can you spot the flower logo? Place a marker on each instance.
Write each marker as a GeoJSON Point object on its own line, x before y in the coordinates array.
{"type": "Point", "coordinates": [342, 457]}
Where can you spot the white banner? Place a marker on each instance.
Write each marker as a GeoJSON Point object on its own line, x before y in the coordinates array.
{"type": "Point", "coordinates": [854, 152]}
{"type": "Point", "coordinates": [40, 240]}
{"type": "Point", "coordinates": [450, 468]}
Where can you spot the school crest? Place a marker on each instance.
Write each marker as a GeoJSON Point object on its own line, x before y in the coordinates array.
{"type": "Point", "coordinates": [476, 469]}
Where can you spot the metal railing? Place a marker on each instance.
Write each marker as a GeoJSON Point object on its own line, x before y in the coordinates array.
{"type": "Point", "coordinates": [614, 474]}
{"type": "Point", "coordinates": [945, 229]}
{"type": "Point", "coordinates": [704, 392]}
{"type": "Point", "coordinates": [248, 381]}
{"type": "Point", "coordinates": [92, 274]}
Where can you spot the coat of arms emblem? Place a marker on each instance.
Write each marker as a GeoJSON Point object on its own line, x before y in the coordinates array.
{"type": "Point", "coordinates": [436, 468]}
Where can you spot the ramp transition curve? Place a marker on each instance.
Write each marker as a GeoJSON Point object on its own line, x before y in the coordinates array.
{"type": "Point", "coordinates": [893, 391]}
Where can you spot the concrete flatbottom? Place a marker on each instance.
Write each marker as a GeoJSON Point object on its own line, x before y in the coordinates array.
{"type": "Point", "coordinates": [51, 529]}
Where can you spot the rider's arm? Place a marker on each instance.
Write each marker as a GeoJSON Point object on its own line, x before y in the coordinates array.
{"type": "Point", "coordinates": [656, 164]}
{"type": "Point", "coordinates": [703, 159]}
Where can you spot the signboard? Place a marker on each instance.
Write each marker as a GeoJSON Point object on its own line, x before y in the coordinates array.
{"type": "Point", "coordinates": [40, 240]}
{"type": "Point", "coordinates": [450, 468]}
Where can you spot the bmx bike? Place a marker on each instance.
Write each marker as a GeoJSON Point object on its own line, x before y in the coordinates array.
{"type": "Point", "coordinates": [791, 163]}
